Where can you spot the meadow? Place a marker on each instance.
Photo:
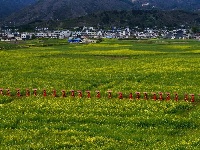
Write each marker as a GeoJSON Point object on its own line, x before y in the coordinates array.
{"type": "Point", "coordinates": [38, 122]}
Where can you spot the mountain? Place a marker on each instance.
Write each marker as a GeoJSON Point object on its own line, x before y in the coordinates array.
{"type": "Point", "coordinates": [62, 9]}
{"type": "Point", "coordinates": [141, 18]}
{"type": "Point", "coordinates": [8, 7]}
{"type": "Point", "coordinates": [190, 5]}
{"type": "Point", "coordinates": [132, 18]}
{"type": "Point", "coordinates": [56, 10]}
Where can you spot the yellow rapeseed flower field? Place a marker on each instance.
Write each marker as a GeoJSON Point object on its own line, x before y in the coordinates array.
{"type": "Point", "coordinates": [127, 66]}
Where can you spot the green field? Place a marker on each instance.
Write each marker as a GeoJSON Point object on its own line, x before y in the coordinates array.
{"type": "Point", "coordinates": [118, 65]}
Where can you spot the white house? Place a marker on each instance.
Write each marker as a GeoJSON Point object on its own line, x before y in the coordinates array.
{"type": "Point", "coordinates": [65, 34]}
{"type": "Point", "coordinates": [26, 36]}
{"type": "Point", "coordinates": [41, 35]}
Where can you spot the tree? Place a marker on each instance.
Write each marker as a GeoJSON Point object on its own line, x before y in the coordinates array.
{"type": "Point", "coordinates": [33, 36]}
{"type": "Point", "coordinates": [195, 29]}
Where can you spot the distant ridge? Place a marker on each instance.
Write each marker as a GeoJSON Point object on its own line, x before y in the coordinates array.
{"type": "Point", "coordinates": [59, 10]}
{"type": "Point", "coordinates": [133, 18]}
{"type": "Point", "coordinates": [65, 9]}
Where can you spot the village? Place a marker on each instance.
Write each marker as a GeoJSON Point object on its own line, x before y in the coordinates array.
{"type": "Point", "coordinates": [91, 35]}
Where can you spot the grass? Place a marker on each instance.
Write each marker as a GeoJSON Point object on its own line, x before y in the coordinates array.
{"type": "Point", "coordinates": [73, 123]}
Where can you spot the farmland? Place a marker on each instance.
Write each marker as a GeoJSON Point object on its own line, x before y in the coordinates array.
{"type": "Point", "coordinates": [38, 122]}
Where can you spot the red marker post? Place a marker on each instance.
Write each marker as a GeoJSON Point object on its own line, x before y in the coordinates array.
{"type": "Point", "coordinates": [80, 95]}
{"type": "Point", "coordinates": [27, 92]}
{"type": "Point", "coordinates": [192, 97]}
{"type": "Point", "coordinates": [120, 95]}
{"type": "Point", "coordinates": [131, 96]}
{"type": "Point", "coordinates": [154, 97]}
{"type": "Point", "coordinates": [88, 94]}
{"type": "Point", "coordinates": [54, 93]}
{"type": "Point", "coordinates": [35, 92]}
{"type": "Point", "coordinates": [160, 96]}
{"type": "Point", "coordinates": [186, 97]}
{"type": "Point", "coordinates": [63, 93]}
{"type": "Point", "coordinates": [109, 94]}
{"type": "Point", "coordinates": [1, 91]}
{"type": "Point", "coordinates": [44, 93]}
{"type": "Point", "coordinates": [137, 95]}
{"type": "Point", "coordinates": [18, 93]}
{"type": "Point", "coordinates": [72, 93]}
{"type": "Point", "coordinates": [98, 95]}
{"type": "Point", "coordinates": [8, 92]}
{"type": "Point", "coordinates": [168, 96]}
{"type": "Point", "coordinates": [176, 97]}
{"type": "Point", "coordinates": [145, 96]}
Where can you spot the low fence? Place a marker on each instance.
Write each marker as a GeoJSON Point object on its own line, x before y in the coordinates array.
{"type": "Point", "coordinates": [80, 94]}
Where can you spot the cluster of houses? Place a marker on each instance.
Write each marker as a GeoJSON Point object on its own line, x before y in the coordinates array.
{"type": "Point", "coordinates": [90, 34]}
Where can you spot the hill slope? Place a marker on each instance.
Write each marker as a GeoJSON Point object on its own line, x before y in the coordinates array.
{"type": "Point", "coordinates": [62, 9]}
{"type": "Point", "coordinates": [9, 6]}
{"type": "Point", "coordinates": [66, 9]}
{"type": "Point", "coordinates": [141, 18]}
